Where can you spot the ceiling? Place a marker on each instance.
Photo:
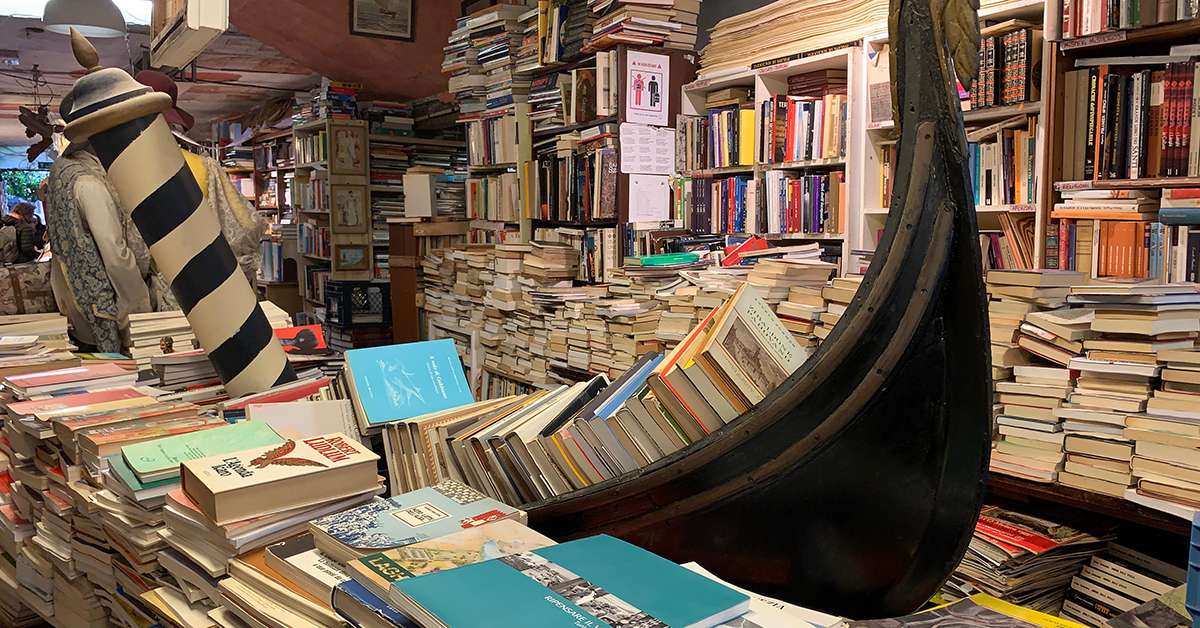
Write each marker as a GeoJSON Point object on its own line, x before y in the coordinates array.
{"type": "Point", "coordinates": [316, 33]}
{"type": "Point", "coordinates": [237, 73]}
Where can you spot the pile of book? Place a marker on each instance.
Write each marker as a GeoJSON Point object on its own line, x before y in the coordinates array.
{"type": "Point", "coordinates": [1027, 557]}
{"type": "Point", "coordinates": [388, 118]}
{"type": "Point", "coordinates": [1116, 582]}
{"type": "Point", "coordinates": [737, 42]}
{"type": "Point", "coordinates": [576, 435]}
{"type": "Point", "coordinates": [837, 297]}
{"type": "Point", "coordinates": [644, 23]}
{"type": "Point", "coordinates": [159, 333]}
{"type": "Point", "coordinates": [331, 101]}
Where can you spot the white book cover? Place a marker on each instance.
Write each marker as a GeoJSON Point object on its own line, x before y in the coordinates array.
{"type": "Point", "coordinates": [264, 465]}
{"type": "Point", "coordinates": [298, 420]}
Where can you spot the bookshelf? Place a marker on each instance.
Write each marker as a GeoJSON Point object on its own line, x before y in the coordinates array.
{"type": "Point", "coordinates": [1015, 131]}
{"type": "Point", "coordinates": [334, 227]}
{"type": "Point", "coordinates": [1070, 62]}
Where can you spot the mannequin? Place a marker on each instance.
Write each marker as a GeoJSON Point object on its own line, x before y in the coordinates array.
{"type": "Point", "coordinates": [100, 262]}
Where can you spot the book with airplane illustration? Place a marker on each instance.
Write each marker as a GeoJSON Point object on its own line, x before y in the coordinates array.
{"type": "Point", "coordinates": [397, 382]}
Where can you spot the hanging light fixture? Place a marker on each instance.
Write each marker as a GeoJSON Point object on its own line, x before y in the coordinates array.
{"type": "Point", "coordinates": [92, 18]}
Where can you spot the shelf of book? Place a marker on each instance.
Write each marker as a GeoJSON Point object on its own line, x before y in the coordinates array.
{"type": "Point", "coordinates": [311, 126]}
{"type": "Point", "coordinates": [1126, 184]}
{"type": "Point", "coordinates": [830, 162]}
{"type": "Point", "coordinates": [416, 141]}
{"type": "Point", "coordinates": [1145, 39]}
{"type": "Point", "coordinates": [989, 114]}
{"type": "Point", "coordinates": [570, 128]}
{"type": "Point", "coordinates": [323, 258]}
{"type": "Point", "coordinates": [318, 165]}
{"type": "Point", "coordinates": [502, 167]}
{"type": "Point", "coordinates": [539, 222]}
{"type": "Point", "coordinates": [979, 209]}
{"type": "Point", "coordinates": [395, 189]}
{"type": "Point", "coordinates": [719, 172]}
{"type": "Point", "coordinates": [1008, 486]}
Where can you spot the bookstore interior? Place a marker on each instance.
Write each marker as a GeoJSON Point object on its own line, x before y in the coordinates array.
{"type": "Point", "coordinates": [720, 313]}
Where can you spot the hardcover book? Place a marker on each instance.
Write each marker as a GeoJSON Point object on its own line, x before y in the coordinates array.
{"type": "Point", "coordinates": [377, 572]}
{"type": "Point", "coordinates": [399, 382]}
{"type": "Point", "coordinates": [238, 486]}
{"type": "Point", "coordinates": [108, 441]}
{"type": "Point", "coordinates": [354, 602]}
{"type": "Point", "coordinates": [421, 515]}
{"type": "Point", "coordinates": [597, 581]}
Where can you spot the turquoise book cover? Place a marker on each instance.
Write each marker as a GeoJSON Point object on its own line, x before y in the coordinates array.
{"type": "Point", "coordinates": [589, 583]}
{"type": "Point", "coordinates": [404, 381]}
{"type": "Point", "coordinates": [156, 456]}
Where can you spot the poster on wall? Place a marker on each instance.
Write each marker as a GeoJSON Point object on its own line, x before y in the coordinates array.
{"type": "Point", "coordinates": [647, 89]}
{"type": "Point", "coordinates": [390, 19]}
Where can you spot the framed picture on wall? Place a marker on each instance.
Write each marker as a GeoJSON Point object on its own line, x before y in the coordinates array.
{"type": "Point", "coordinates": [348, 207]}
{"type": "Point", "coordinates": [347, 149]}
{"type": "Point", "coordinates": [390, 19]}
{"type": "Point", "coordinates": [351, 257]}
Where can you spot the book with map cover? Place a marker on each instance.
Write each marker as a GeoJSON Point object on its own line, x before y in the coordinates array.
{"type": "Point", "coordinates": [428, 513]}
{"type": "Point", "coordinates": [377, 572]}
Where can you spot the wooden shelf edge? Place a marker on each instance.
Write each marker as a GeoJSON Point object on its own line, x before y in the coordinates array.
{"type": "Point", "coordinates": [1117, 508]}
{"type": "Point", "coordinates": [1123, 184]}
{"type": "Point", "coordinates": [1170, 32]}
{"type": "Point", "coordinates": [545, 133]}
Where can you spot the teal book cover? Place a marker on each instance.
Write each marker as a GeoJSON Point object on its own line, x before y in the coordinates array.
{"type": "Point", "coordinates": [118, 467]}
{"type": "Point", "coordinates": [157, 456]}
{"type": "Point", "coordinates": [400, 382]}
{"type": "Point", "coordinates": [589, 583]}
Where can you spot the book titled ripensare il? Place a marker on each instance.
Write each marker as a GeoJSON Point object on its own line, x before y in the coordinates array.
{"type": "Point", "coordinates": [238, 486]}
{"type": "Point", "coordinates": [589, 583]}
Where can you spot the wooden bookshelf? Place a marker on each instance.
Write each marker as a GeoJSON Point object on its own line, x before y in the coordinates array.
{"type": "Point", "coordinates": [1008, 486]}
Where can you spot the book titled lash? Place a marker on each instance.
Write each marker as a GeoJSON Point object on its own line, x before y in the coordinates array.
{"type": "Point", "coordinates": [597, 581]}
{"type": "Point", "coordinates": [242, 485]}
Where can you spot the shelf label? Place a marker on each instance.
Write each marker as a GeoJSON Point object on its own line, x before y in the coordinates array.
{"type": "Point", "coordinates": [1094, 40]}
{"type": "Point", "coordinates": [1064, 186]}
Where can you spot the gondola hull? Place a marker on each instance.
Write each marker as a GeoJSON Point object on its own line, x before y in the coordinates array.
{"type": "Point", "coordinates": [854, 487]}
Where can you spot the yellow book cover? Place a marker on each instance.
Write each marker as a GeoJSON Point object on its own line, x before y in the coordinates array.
{"type": "Point", "coordinates": [746, 137]}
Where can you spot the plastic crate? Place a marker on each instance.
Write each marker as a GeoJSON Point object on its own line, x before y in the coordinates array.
{"type": "Point", "coordinates": [358, 304]}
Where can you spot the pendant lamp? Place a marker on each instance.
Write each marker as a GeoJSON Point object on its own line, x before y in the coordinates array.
{"type": "Point", "coordinates": [92, 18]}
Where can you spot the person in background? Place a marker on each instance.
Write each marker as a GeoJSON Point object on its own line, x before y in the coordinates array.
{"type": "Point", "coordinates": [21, 219]}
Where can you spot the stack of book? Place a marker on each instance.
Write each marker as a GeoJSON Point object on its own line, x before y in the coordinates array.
{"type": "Point", "coordinates": [644, 23]}
{"type": "Point", "coordinates": [775, 278]}
{"type": "Point", "coordinates": [547, 95]}
{"type": "Point", "coordinates": [551, 262]}
{"type": "Point", "coordinates": [802, 314]}
{"type": "Point", "coordinates": [584, 433]}
{"type": "Point", "coordinates": [527, 57]}
{"type": "Point", "coordinates": [1027, 557]}
{"type": "Point", "coordinates": [461, 62]}
{"type": "Point", "coordinates": [837, 296]}
{"type": "Point", "coordinates": [1118, 581]}
{"type": "Point", "coordinates": [390, 118]}
{"type": "Point", "coordinates": [1032, 435]}
{"type": "Point", "coordinates": [186, 369]}
{"type": "Point", "coordinates": [331, 101]}
{"type": "Point", "coordinates": [158, 333]}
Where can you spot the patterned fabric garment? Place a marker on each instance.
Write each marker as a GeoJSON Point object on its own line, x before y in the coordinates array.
{"type": "Point", "coordinates": [77, 254]}
{"type": "Point", "coordinates": [242, 226]}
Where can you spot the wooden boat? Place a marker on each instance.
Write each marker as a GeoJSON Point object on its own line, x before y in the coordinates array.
{"type": "Point", "coordinates": [855, 486]}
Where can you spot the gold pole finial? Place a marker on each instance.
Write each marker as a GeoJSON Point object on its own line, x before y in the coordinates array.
{"type": "Point", "coordinates": [85, 52]}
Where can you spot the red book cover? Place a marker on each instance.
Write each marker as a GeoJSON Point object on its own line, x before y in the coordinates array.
{"type": "Point", "coordinates": [82, 400]}
{"type": "Point", "coordinates": [66, 376]}
{"type": "Point", "coordinates": [291, 394]}
{"type": "Point", "coordinates": [789, 144]}
{"type": "Point", "coordinates": [733, 254]}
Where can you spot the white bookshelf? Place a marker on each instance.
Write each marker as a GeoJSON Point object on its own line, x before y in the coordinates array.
{"type": "Point", "coordinates": [879, 134]}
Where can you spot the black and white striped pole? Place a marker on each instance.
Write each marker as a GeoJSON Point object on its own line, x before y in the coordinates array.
{"type": "Point", "coordinates": [122, 120]}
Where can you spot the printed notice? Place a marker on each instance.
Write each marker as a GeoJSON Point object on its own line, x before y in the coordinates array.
{"type": "Point", "coordinates": [647, 77]}
{"type": "Point", "coordinates": [649, 198]}
{"type": "Point", "coordinates": [420, 514]}
{"type": "Point", "coordinates": [647, 149]}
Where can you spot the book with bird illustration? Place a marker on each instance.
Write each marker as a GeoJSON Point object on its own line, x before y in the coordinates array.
{"type": "Point", "coordinates": [400, 382]}
{"type": "Point", "coordinates": [235, 487]}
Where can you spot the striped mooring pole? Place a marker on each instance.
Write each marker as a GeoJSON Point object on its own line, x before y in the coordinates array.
{"type": "Point", "coordinates": [122, 120]}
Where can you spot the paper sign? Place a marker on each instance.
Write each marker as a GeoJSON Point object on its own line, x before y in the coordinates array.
{"type": "Point", "coordinates": [647, 149]}
{"type": "Point", "coordinates": [649, 198]}
{"type": "Point", "coordinates": [647, 80]}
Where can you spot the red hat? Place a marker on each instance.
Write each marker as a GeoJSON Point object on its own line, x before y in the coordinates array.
{"type": "Point", "coordinates": [160, 82]}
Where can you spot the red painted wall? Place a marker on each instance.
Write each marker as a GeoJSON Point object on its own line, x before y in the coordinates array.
{"type": "Point", "coordinates": [316, 33]}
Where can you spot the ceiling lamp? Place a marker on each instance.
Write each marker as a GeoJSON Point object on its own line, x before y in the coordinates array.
{"type": "Point", "coordinates": [92, 18]}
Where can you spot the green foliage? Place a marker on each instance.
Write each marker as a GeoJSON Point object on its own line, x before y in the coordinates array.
{"type": "Point", "coordinates": [22, 185]}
